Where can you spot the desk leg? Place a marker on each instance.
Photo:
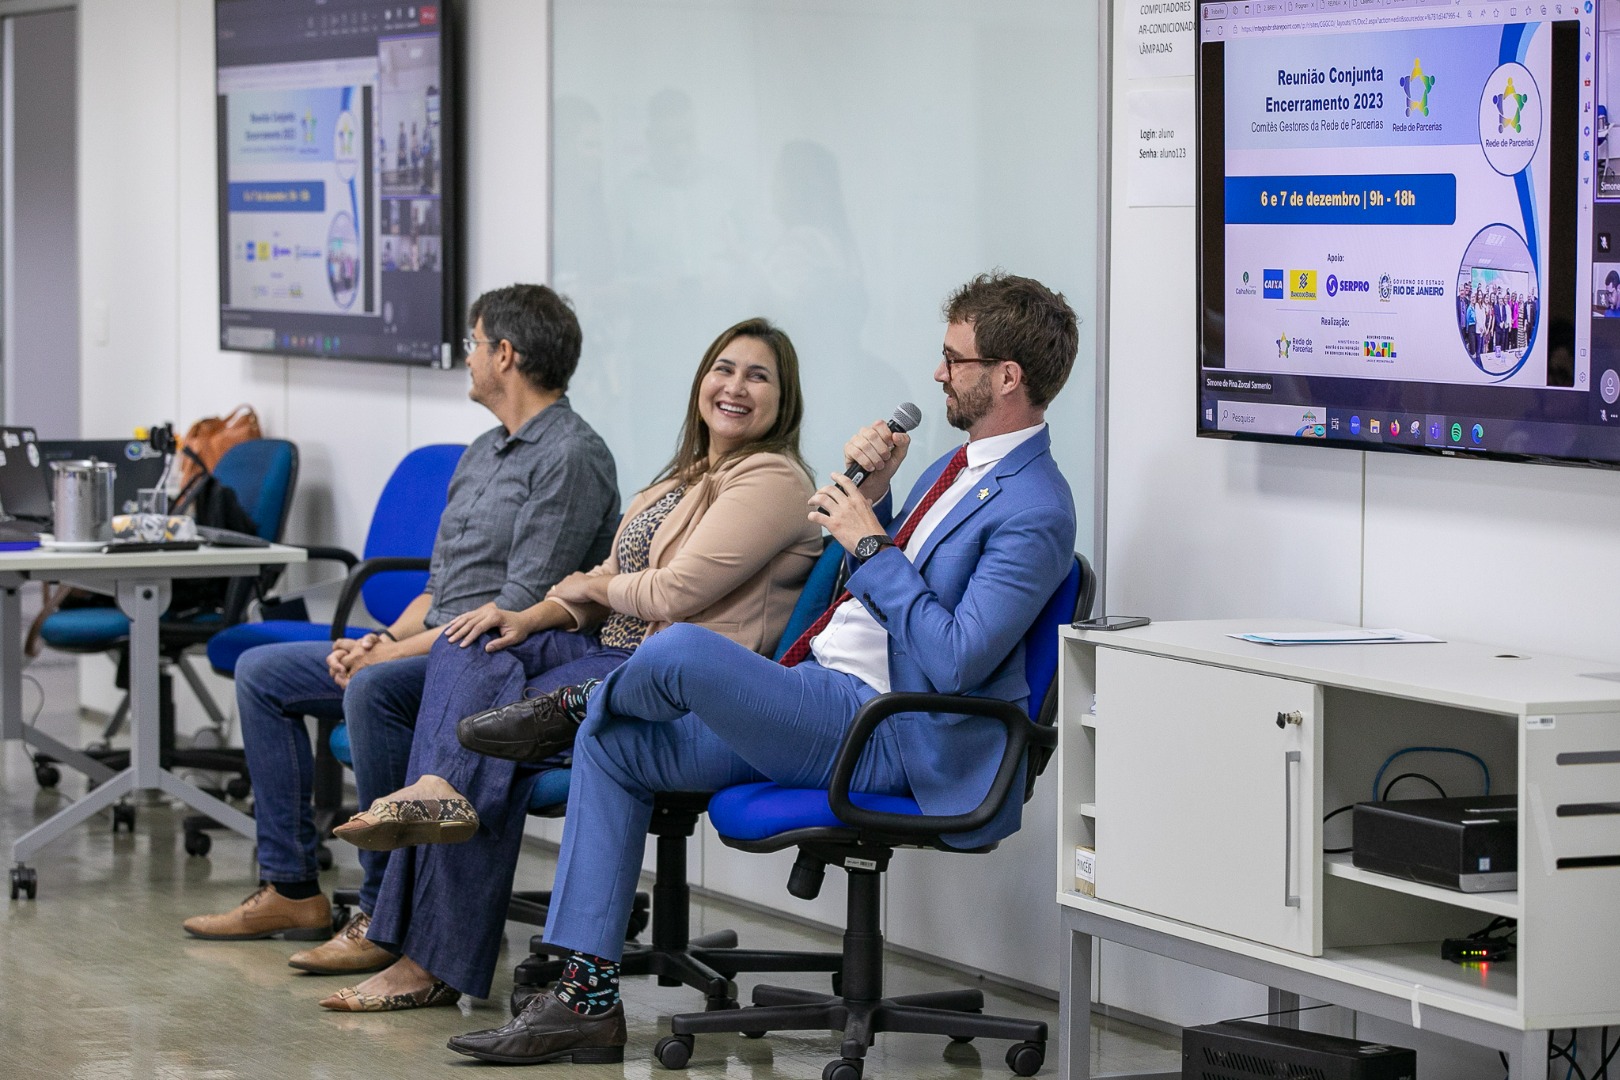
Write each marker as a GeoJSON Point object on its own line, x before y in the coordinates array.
{"type": "Point", "coordinates": [1284, 1008]}
{"type": "Point", "coordinates": [1074, 1008]}
{"type": "Point", "coordinates": [1529, 1061]}
{"type": "Point", "coordinates": [144, 602]}
{"type": "Point", "coordinates": [47, 831]}
{"type": "Point", "coordinates": [11, 663]}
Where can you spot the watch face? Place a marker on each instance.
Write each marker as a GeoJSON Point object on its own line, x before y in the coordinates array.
{"type": "Point", "coordinates": [868, 546]}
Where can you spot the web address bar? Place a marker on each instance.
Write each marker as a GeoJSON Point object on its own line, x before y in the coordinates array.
{"type": "Point", "coordinates": [1371, 22]}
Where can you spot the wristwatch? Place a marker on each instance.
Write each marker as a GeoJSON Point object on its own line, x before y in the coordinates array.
{"type": "Point", "coordinates": [868, 546]}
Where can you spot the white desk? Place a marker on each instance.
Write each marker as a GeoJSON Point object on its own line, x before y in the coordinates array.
{"type": "Point", "coordinates": [140, 582]}
{"type": "Point", "coordinates": [1205, 812]}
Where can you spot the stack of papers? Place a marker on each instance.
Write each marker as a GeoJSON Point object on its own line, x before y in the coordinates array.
{"type": "Point", "coordinates": [1334, 637]}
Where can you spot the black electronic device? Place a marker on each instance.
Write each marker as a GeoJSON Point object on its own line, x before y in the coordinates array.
{"type": "Point", "coordinates": [1240, 1050]}
{"type": "Point", "coordinates": [338, 174]}
{"type": "Point", "coordinates": [25, 493]}
{"type": "Point", "coordinates": [1113, 622]}
{"type": "Point", "coordinates": [127, 547]}
{"type": "Point", "coordinates": [139, 465]}
{"type": "Point", "coordinates": [1468, 844]}
{"type": "Point", "coordinates": [218, 537]}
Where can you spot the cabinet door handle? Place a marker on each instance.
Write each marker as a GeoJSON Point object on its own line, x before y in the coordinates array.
{"type": "Point", "coordinates": [1290, 759]}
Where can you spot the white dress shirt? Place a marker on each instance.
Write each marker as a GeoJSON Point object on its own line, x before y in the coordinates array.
{"type": "Point", "coordinates": [853, 641]}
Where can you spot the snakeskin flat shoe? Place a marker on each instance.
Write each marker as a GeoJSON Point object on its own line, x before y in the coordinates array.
{"type": "Point", "coordinates": [391, 824]}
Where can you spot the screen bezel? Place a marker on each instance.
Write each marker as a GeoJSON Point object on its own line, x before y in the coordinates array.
{"type": "Point", "coordinates": [451, 212]}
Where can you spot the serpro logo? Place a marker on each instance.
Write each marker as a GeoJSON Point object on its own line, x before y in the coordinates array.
{"type": "Point", "coordinates": [1509, 108]}
{"type": "Point", "coordinates": [1417, 86]}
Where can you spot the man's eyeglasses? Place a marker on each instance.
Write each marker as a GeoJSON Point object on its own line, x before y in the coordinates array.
{"type": "Point", "coordinates": [469, 345]}
{"type": "Point", "coordinates": [952, 361]}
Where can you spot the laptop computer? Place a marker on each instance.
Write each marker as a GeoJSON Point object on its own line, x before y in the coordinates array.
{"type": "Point", "coordinates": [139, 466]}
{"type": "Point", "coordinates": [25, 497]}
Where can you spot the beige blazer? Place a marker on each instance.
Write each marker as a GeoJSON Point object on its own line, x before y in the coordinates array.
{"type": "Point", "coordinates": [731, 556]}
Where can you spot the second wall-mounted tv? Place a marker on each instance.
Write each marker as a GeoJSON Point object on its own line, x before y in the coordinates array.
{"type": "Point", "coordinates": [1398, 247]}
{"type": "Point", "coordinates": [337, 167]}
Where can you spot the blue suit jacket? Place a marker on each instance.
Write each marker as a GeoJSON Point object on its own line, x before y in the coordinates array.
{"type": "Point", "coordinates": [957, 615]}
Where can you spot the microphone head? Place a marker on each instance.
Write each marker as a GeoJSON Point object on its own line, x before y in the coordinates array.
{"type": "Point", "coordinates": [906, 416]}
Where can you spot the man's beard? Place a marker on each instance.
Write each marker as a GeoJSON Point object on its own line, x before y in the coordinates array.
{"type": "Point", "coordinates": [969, 406]}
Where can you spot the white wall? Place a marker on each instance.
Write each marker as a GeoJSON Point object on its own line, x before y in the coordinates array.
{"type": "Point", "coordinates": [1521, 555]}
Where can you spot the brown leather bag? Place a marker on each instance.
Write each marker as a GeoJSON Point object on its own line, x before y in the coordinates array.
{"type": "Point", "coordinates": [211, 436]}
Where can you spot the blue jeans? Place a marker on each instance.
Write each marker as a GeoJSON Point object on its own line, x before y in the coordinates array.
{"type": "Point", "coordinates": [691, 711]}
{"type": "Point", "coordinates": [444, 905]}
{"type": "Point", "coordinates": [277, 686]}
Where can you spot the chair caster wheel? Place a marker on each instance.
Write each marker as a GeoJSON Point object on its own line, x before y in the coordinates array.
{"type": "Point", "coordinates": [1026, 1058]}
{"type": "Point", "coordinates": [674, 1051]}
{"type": "Point", "coordinates": [341, 914]}
{"type": "Point", "coordinates": [199, 843]}
{"type": "Point", "coordinates": [24, 882]}
{"type": "Point", "coordinates": [842, 1069]}
{"type": "Point", "coordinates": [46, 774]}
{"type": "Point", "coordinates": [239, 787]}
{"type": "Point", "coordinates": [323, 857]}
{"type": "Point", "coordinates": [753, 1034]}
{"type": "Point", "coordinates": [123, 817]}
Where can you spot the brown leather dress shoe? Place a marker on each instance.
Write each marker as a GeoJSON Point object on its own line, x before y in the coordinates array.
{"type": "Point", "coordinates": [351, 1000]}
{"type": "Point", "coordinates": [397, 823]}
{"type": "Point", "coordinates": [348, 953]}
{"type": "Point", "coordinates": [529, 730]}
{"type": "Point", "coordinates": [548, 1030]}
{"type": "Point", "coordinates": [267, 914]}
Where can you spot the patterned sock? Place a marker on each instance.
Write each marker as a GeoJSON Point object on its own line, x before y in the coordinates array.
{"type": "Point", "coordinates": [575, 699]}
{"type": "Point", "coordinates": [297, 890]}
{"type": "Point", "coordinates": [589, 984]}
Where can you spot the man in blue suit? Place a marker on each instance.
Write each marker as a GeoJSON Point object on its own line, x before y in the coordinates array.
{"type": "Point", "coordinates": [938, 600]}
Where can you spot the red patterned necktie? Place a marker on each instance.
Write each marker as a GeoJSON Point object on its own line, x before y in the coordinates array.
{"type": "Point", "coordinates": [801, 648]}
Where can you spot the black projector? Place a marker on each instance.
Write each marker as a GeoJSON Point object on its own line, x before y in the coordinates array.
{"type": "Point", "coordinates": [1470, 844]}
{"type": "Point", "coordinates": [1237, 1050]}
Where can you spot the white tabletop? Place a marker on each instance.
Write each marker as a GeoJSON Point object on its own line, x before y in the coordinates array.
{"type": "Point", "coordinates": [42, 562]}
{"type": "Point", "coordinates": [1490, 678]}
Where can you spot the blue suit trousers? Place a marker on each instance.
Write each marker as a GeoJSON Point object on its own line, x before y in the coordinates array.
{"type": "Point", "coordinates": [691, 711]}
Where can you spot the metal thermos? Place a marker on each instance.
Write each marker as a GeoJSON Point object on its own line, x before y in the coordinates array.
{"type": "Point", "coordinates": [84, 501]}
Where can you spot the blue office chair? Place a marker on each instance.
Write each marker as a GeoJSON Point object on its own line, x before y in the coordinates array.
{"type": "Point", "coordinates": [399, 547]}
{"type": "Point", "coordinates": [710, 962]}
{"type": "Point", "coordinates": [262, 473]}
{"type": "Point", "coordinates": [860, 833]}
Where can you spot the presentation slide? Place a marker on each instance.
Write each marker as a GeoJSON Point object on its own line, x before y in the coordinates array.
{"type": "Point", "coordinates": [296, 202]}
{"type": "Point", "coordinates": [1386, 204]}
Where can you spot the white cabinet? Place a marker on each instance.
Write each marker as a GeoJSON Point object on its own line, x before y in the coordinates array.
{"type": "Point", "coordinates": [1199, 768]}
{"type": "Point", "coordinates": [1211, 785]}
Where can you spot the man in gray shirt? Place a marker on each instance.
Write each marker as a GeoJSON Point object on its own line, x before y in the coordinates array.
{"type": "Point", "coordinates": [531, 501]}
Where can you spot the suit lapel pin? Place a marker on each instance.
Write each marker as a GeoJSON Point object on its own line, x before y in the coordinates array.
{"type": "Point", "coordinates": [984, 493]}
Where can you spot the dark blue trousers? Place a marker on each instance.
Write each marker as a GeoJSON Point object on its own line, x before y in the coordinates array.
{"type": "Point", "coordinates": [444, 905]}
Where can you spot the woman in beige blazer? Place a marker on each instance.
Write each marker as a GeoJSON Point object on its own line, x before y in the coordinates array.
{"type": "Point", "coordinates": [719, 539]}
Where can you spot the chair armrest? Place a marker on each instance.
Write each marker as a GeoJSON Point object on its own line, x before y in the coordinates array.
{"type": "Point", "coordinates": [331, 554]}
{"type": "Point", "coordinates": [1021, 733]}
{"type": "Point", "coordinates": [363, 572]}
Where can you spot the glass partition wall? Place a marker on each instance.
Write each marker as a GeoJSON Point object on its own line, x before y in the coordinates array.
{"type": "Point", "coordinates": [838, 166]}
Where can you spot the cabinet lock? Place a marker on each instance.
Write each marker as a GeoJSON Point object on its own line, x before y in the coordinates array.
{"type": "Point", "coordinates": [1286, 718]}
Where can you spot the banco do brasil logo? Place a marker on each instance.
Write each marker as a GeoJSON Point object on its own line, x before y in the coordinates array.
{"type": "Point", "coordinates": [1417, 86]}
{"type": "Point", "coordinates": [1509, 108]}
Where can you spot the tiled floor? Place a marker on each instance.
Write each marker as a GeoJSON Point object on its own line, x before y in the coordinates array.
{"type": "Point", "coordinates": [97, 981]}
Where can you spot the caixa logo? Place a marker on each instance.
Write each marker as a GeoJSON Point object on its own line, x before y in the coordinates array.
{"type": "Point", "coordinates": [1271, 284]}
{"type": "Point", "coordinates": [1337, 285]}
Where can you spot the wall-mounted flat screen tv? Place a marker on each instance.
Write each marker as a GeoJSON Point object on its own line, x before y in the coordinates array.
{"type": "Point", "coordinates": [337, 166]}
{"type": "Point", "coordinates": [1404, 238]}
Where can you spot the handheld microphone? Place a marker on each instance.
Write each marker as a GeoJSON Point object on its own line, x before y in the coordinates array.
{"type": "Point", "coordinates": [906, 416]}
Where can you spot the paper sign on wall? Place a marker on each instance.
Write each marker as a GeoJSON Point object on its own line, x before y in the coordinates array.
{"type": "Point", "coordinates": [1158, 38]}
{"type": "Point", "coordinates": [1160, 128]}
